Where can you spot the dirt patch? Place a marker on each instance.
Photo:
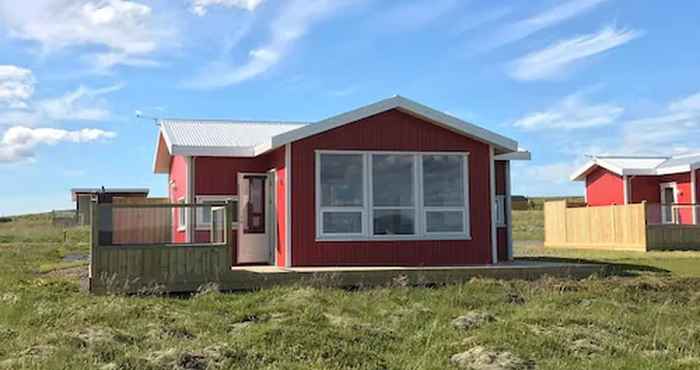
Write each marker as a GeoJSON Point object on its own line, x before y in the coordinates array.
{"type": "Point", "coordinates": [90, 337]}
{"type": "Point", "coordinates": [480, 358]}
{"type": "Point", "coordinates": [71, 273]}
{"type": "Point", "coordinates": [210, 357]}
{"type": "Point", "coordinates": [472, 320]}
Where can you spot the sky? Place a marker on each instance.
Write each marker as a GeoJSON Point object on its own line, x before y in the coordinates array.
{"type": "Point", "coordinates": [564, 78]}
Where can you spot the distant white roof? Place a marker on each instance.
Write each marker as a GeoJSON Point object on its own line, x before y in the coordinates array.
{"type": "Point", "coordinates": [75, 191]}
{"type": "Point", "coordinates": [250, 138]}
{"type": "Point", "coordinates": [639, 165]}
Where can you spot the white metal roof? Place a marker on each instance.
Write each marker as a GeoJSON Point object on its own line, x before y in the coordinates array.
{"type": "Point", "coordinates": [639, 165]}
{"type": "Point", "coordinates": [191, 137]}
{"type": "Point", "coordinates": [250, 138]}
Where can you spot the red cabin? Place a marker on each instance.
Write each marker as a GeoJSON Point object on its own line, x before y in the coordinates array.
{"type": "Point", "coordinates": [669, 182]}
{"type": "Point", "coordinates": [393, 183]}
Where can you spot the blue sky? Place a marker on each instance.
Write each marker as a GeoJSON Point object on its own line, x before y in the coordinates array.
{"type": "Point", "coordinates": [564, 78]}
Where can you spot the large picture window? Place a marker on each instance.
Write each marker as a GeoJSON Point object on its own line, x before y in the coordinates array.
{"type": "Point", "coordinates": [391, 195]}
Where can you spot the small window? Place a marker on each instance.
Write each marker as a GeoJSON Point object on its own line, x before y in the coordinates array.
{"type": "Point", "coordinates": [204, 213]}
{"type": "Point", "coordinates": [500, 210]}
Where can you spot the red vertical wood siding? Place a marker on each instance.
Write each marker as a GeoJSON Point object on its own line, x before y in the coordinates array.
{"type": "Point", "coordinates": [502, 231]}
{"type": "Point", "coordinates": [644, 188]}
{"type": "Point", "coordinates": [396, 131]}
{"type": "Point", "coordinates": [177, 188]}
{"type": "Point", "coordinates": [604, 188]}
{"type": "Point", "coordinates": [641, 188]}
{"type": "Point", "coordinates": [219, 176]}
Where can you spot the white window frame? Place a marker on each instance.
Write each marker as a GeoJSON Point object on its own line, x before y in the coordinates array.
{"type": "Point", "coordinates": [199, 199]}
{"type": "Point", "coordinates": [367, 210]}
{"type": "Point", "coordinates": [665, 217]}
{"type": "Point", "coordinates": [370, 181]}
{"type": "Point", "coordinates": [500, 211]}
{"type": "Point", "coordinates": [466, 210]}
{"type": "Point", "coordinates": [320, 210]}
{"type": "Point", "coordinates": [181, 215]}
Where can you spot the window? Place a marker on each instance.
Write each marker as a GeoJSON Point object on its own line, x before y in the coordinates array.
{"type": "Point", "coordinates": [500, 210]}
{"type": "Point", "coordinates": [255, 207]}
{"type": "Point", "coordinates": [181, 215]}
{"type": "Point", "coordinates": [204, 212]}
{"type": "Point", "coordinates": [341, 197]}
{"type": "Point", "coordinates": [391, 195]}
{"type": "Point", "coordinates": [444, 199]}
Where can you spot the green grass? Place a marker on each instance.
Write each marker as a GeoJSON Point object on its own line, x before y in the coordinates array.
{"type": "Point", "coordinates": [649, 321]}
{"type": "Point", "coordinates": [528, 225]}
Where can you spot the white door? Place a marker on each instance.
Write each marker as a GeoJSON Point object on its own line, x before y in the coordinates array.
{"type": "Point", "coordinates": [253, 227]}
{"type": "Point", "coordinates": [668, 198]}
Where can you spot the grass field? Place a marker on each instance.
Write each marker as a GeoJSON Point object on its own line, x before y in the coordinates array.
{"type": "Point", "coordinates": [647, 321]}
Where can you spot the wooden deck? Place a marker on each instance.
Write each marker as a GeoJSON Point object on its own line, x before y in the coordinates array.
{"type": "Point", "coordinates": [258, 277]}
{"type": "Point", "coordinates": [156, 266]}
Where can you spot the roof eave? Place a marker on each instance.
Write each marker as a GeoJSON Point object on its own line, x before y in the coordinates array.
{"type": "Point", "coordinates": [501, 143]}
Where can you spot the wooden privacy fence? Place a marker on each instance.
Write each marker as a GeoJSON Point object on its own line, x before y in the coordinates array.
{"type": "Point", "coordinates": [623, 227]}
{"type": "Point", "coordinates": [148, 225]}
{"type": "Point", "coordinates": [608, 227]}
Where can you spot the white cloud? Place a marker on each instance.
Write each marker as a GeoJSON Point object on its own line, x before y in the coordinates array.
{"type": "Point", "coordinates": [291, 23]}
{"type": "Point", "coordinates": [199, 7]}
{"type": "Point", "coordinates": [572, 112]}
{"type": "Point", "coordinates": [124, 28]}
{"type": "Point", "coordinates": [80, 104]}
{"type": "Point", "coordinates": [553, 60]}
{"type": "Point", "coordinates": [687, 105]}
{"type": "Point", "coordinates": [16, 86]}
{"type": "Point", "coordinates": [551, 17]}
{"type": "Point", "coordinates": [673, 130]}
{"type": "Point", "coordinates": [19, 143]}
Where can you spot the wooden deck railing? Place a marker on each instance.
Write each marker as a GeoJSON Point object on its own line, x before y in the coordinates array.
{"type": "Point", "coordinates": [132, 256]}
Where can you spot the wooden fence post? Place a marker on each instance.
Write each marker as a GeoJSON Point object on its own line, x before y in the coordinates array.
{"type": "Point", "coordinates": [94, 238]}
{"type": "Point", "coordinates": [645, 226]}
{"type": "Point", "coordinates": [228, 233]}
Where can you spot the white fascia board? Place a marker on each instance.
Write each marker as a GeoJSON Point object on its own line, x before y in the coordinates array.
{"type": "Point", "coordinates": [675, 169]}
{"type": "Point", "coordinates": [441, 119]}
{"type": "Point", "coordinates": [639, 172]}
{"type": "Point", "coordinates": [521, 155]}
{"type": "Point", "coordinates": [582, 172]}
{"type": "Point", "coordinates": [209, 151]}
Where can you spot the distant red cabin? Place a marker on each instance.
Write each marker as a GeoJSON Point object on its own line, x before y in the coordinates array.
{"type": "Point", "coordinates": [669, 182]}
{"type": "Point", "coordinates": [394, 183]}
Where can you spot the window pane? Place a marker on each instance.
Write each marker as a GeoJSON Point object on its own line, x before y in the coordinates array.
{"type": "Point", "coordinates": [206, 214]}
{"type": "Point", "coordinates": [342, 222]}
{"type": "Point", "coordinates": [392, 180]}
{"type": "Point", "coordinates": [341, 180]}
{"type": "Point", "coordinates": [444, 221]}
{"type": "Point", "coordinates": [394, 222]}
{"type": "Point", "coordinates": [443, 181]}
